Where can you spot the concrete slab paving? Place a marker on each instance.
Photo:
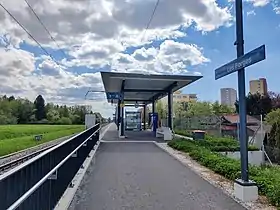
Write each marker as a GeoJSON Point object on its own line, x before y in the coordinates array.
{"type": "Point", "coordinates": [144, 135]}
{"type": "Point", "coordinates": [141, 176]}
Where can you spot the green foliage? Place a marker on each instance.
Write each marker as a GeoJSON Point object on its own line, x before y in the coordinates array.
{"type": "Point", "coordinates": [183, 133]}
{"type": "Point", "coordinates": [273, 117]}
{"type": "Point", "coordinates": [273, 142]}
{"type": "Point", "coordinates": [184, 109]}
{"type": "Point", "coordinates": [65, 121]}
{"type": "Point", "coordinates": [161, 109]}
{"type": "Point", "coordinates": [40, 112]}
{"type": "Point", "coordinates": [257, 104]}
{"type": "Point", "coordinates": [267, 178]}
{"type": "Point", "coordinates": [219, 109]}
{"type": "Point", "coordinates": [23, 111]}
{"type": "Point", "coordinates": [218, 144]}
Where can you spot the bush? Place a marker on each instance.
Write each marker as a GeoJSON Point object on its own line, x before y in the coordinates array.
{"type": "Point", "coordinates": [218, 144]}
{"type": "Point", "coordinates": [267, 178]}
{"type": "Point", "coordinates": [183, 133]}
{"type": "Point", "coordinates": [64, 121]}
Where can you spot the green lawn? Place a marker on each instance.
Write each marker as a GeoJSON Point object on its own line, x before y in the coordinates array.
{"type": "Point", "coordinates": [18, 137]}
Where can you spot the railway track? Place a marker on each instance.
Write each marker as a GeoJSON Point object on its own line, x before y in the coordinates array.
{"type": "Point", "coordinates": [13, 163]}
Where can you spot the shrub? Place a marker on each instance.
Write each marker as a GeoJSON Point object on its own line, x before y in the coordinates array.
{"type": "Point", "coordinates": [183, 133]}
{"type": "Point", "coordinates": [218, 144]}
{"type": "Point", "coordinates": [65, 121]}
{"type": "Point", "coordinates": [266, 178]}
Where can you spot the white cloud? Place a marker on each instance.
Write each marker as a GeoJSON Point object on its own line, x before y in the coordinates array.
{"type": "Point", "coordinates": [276, 6]}
{"type": "Point", "coordinates": [111, 19]}
{"type": "Point", "coordinates": [19, 77]}
{"type": "Point", "coordinates": [277, 10]}
{"type": "Point", "coordinates": [94, 34]}
{"type": "Point", "coordinates": [171, 58]}
{"type": "Point", "coordinates": [259, 3]}
{"type": "Point", "coordinates": [252, 12]}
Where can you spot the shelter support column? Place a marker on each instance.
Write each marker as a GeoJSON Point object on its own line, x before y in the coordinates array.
{"type": "Point", "coordinates": [153, 106]}
{"type": "Point", "coordinates": [169, 114]}
{"type": "Point", "coordinates": [119, 114]}
{"type": "Point", "coordinates": [144, 117]}
{"type": "Point", "coordinates": [122, 118]}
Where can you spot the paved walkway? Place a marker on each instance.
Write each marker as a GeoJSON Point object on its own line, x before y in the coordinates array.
{"type": "Point", "coordinates": [112, 135]}
{"type": "Point", "coordinates": [141, 176]}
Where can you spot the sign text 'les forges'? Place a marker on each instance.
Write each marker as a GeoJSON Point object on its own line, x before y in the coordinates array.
{"type": "Point", "coordinates": [244, 61]}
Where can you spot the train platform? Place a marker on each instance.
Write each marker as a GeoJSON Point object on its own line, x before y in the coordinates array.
{"type": "Point", "coordinates": [135, 174]}
{"type": "Point", "coordinates": [142, 136]}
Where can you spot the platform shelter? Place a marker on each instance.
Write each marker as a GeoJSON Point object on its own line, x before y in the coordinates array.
{"type": "Point", "coordinates": [126, 89]}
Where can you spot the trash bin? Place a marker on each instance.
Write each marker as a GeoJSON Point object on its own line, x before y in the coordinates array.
{"type": "Point", "coordinates": [198, 135]}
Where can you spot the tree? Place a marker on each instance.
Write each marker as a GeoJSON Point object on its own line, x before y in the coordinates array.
{"type": "Point", "coordinates": [22, 111]}
{"type": "Point", "coordinates": [199, 109]}
{"type": "Point", "coordinates": [53, 116]}
{"type": "Point", "coordinates": [25, 110]}
{"type": "Point", "coordinates": [65, 121]}
{"type": "Point", "coordinates": [161, 109]}
{"type": "Point", "coordinates": [257, 104]}
{"type": "Point", "coordinates": [273, 117]}
{"type": "Point", "coordinates": [142, 113]}
{"type": "Point", "coordinates": [40, 112]}
{"type": "Point", "coordinates": [11, 98]}
{"type": "Point", "coordinates": [220, 109]}
{"type": "Point", "coordinates": [275, 99]}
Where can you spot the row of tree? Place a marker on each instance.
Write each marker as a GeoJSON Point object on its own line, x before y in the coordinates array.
{"type": "Point", "coordinates": [22, 111]}
{"type": "Point", "coordinates": [183, 109]}
{"type": "Point", "coordinates": [267, 106]}
{"type": "Point", "coordinates": [257, 104]}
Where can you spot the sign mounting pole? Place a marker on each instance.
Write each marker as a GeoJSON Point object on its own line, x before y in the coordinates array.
{"type": "Point", "coordinates": [241, 93]}
{"type": "Point", "coordinates": [238, 65]}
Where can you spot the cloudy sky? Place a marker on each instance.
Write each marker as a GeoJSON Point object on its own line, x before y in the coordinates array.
{"type": "Point", "coordinates": [185, 36]}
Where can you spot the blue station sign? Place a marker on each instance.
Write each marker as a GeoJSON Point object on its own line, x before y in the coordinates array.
{"type": "Point", "coordinates": [113, 95]}
{"type": "Point", "coordinates": [244, 61]}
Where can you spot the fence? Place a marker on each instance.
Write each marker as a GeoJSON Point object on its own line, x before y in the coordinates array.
{"type": "Point", "coordinates": [211, 124]}
{"type": "Point", "coordinates": [40, 182]}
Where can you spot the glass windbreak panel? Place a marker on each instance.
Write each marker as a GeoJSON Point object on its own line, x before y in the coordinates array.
{"type": "Point", "coordinates": [133, 120]}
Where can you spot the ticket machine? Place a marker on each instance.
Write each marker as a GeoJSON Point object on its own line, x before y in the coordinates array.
{"type": "Point", "coordinates": [153, 121]}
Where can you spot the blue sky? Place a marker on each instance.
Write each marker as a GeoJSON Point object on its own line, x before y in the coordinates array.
{"type": "Point", "coordinates": [186, 37]}
{"type": "Point", "coordinates": [262, 28]}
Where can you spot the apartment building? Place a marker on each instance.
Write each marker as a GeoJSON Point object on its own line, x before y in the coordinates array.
{"type": "Point", "coordinates": [258, 86]}
{"type": "Point", "coordinates": [228, 96]}
{"type": "Point", "coordinates": [178, 96]}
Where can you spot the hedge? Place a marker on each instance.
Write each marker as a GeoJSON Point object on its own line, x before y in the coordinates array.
{"type": "Point", "coordinates": [218, 144]}
{"type": "Point", "coordinates": [267, 178]}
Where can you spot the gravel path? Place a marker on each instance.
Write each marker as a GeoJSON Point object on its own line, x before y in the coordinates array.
{"type": "Point", "coordinates": [141, 176]}
{"type": "Point", "coordinates": [33, 149]}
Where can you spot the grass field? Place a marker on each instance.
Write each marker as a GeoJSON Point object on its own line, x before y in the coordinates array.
{"type": "Point", "coordinates": [18, 137]}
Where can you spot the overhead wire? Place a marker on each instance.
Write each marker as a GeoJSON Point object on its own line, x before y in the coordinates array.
{"type": "Point", "coordinates": [29, 34]}
{"type": "Point", "coordinates": [44, 26]}
{"type": "Point", "coordinates": [151, 19]}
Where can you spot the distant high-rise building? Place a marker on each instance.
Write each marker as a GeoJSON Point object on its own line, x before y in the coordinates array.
{"type": "Point", "coordinates": [228, 96]}
{"type": "Point", "coordinates": [258, 86]}
{"type": "Point", "coordinates": [178, 96]}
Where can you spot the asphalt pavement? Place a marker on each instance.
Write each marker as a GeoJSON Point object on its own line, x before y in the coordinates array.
{"type": "Point", "coordinates": [141, 176]}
